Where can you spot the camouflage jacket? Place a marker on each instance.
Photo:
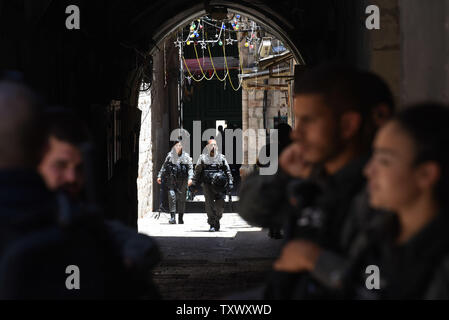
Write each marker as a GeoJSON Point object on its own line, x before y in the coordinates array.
{"type": "Point", "coordinates": [173, 162]}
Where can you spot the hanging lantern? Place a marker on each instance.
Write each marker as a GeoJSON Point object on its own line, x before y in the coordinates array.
{"type": "Point", "coordinates": [246, 44]}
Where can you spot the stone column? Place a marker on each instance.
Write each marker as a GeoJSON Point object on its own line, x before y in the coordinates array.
{"type": "Point", "coordinates": [425, 50]}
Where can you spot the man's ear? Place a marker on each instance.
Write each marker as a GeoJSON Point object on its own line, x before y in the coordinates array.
{"type": "Point", "coordinates": [428, 174]}
{"type": "Point", "coordinates": [350, 124]}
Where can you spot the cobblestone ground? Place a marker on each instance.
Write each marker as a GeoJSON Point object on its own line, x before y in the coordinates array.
{"type": "Point", "coordinates": [198, 264]}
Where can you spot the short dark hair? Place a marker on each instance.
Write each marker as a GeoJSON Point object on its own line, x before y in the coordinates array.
{"type": "Point", "coordinates": [375, 91]}
{"type": "Point", "coordinates": [345, 88]}
{"type": "Point", "coordinates": [338, 84]}
{"type": "Point", "coordinates": [428, 126]}
{"type": "Point", "coordinates": [175, 142]}
{"type": "Point", "coordinates": [65, 125]}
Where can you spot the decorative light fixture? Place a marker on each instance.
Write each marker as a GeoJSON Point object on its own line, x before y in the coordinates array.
{"type": "Point", "coordinates": [265, 47]}
{"type": "Point", "coordinates": [221, 26]}
{"type": "Point", "coordinates": [197, 34]}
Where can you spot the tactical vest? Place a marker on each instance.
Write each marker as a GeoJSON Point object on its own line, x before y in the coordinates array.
{"type": "Point", "coordinates": [177, 171]}
{"type": "Point", "coordinates": [215, 175]}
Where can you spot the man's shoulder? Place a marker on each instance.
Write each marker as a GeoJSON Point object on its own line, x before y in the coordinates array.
{"type": "Point", "coordinates": [186, 156]}
{"type": "Point", "coordinates": [221, 157]}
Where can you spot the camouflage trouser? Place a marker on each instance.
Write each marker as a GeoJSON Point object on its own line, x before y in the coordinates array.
{"type": "Point", "coordinates": [177, 198]}
{"type": "Point", "coordinates": [214, 207]}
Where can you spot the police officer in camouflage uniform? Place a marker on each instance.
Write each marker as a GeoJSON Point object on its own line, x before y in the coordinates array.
{"type": "Point", "coordinates": [177, 172]}
{"type": "Point", "coordinates": [213, 171]}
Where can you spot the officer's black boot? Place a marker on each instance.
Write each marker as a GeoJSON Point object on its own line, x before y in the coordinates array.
{"type": "Point", "coordinates": [180, 221]}
{"type": "Point", "coordinates": [172, 219]}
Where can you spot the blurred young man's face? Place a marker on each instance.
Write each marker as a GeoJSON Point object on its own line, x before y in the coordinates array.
{"type": "Point", "coordinates": [316, 128]}
{"type": "Point", "coordinates": [393, 180]}
{"type": "Point", "coordinates": [62, 167]}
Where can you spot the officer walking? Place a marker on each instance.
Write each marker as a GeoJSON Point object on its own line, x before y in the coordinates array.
{"type": "Point", "coordinates": [177, 172]}
{"type": "Point", "coordinates": [213, 171]}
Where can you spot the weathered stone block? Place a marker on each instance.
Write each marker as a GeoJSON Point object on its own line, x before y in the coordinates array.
{"type": "Point", "coordinates": [258, 112]}
{"type": "Point", "coordinates": [254, 104]}
{"type": "Point", "coordinates": [259, 95]}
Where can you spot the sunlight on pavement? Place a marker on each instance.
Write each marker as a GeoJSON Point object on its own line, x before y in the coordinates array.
{"type": "Point", "coordinates": [195, 225]}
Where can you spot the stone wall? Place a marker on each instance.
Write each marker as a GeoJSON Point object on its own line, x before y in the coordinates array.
{"type": "Point", "coordinates": [159, 116]}
{"type": "Point", "coordinates": [425, 50]}
{"type": "Point", "coordinates": [277, 103]}
{"type": "Point", "coordinates": [377, 50]}
{"type": "Point", "coordinates": [145, 173]}
{"type": "Point", "coordinates": [410, 50]}
{"type": "Point", "coordinates": [385, 46]}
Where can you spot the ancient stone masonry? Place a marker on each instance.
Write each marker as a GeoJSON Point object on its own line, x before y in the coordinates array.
{"type": "Point", "coordinates": [145, 177]}
{"type": "Point", "coordinates": [385, 45]}
{"type": "Point", "coordinates": [266, 95]}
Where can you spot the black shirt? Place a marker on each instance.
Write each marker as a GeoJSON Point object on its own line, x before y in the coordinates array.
{"type": "Point", "coordinates": [406, 270]}
{"type": "Point", "coordinates": [323, 219]}
{"type": "Point", "coordinates": [25, 205]}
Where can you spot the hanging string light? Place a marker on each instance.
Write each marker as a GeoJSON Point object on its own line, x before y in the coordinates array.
{"type": "Point", "coordinates": [213, 66]}
{"type": "Point", "coordinates": [199, 64]}
{"type": "Point", "coordinates": [197, 27]}
{"type": "Point", "coordinates": [227, 69]}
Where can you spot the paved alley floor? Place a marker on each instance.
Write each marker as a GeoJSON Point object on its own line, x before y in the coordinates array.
{"type": "Point", "coordinates": [195, 225]}
{"type": "Point", "coordinates": [198, 264]}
